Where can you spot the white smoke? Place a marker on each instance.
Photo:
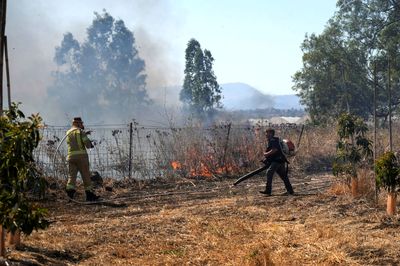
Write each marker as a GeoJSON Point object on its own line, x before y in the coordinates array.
{"type": "Point", "coordinates": [35, 28]}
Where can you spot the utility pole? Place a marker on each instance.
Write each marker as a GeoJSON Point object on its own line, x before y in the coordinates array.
{"type": "Point", "coordinates": [3, 8]}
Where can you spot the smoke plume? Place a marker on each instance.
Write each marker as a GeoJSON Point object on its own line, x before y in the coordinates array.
{"type": "Point", "coordinates": [35, 28]}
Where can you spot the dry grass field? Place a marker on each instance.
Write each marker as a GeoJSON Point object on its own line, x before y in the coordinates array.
{"type": "Point", "coordinates": [202, 222]}
{"type": "Point", "coordinates": [207, 221]}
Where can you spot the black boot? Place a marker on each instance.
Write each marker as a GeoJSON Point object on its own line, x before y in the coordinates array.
{"type": "Point", "coordinates": [71, 193]}
{"type": "Point", "coordinates": [90, 196]}
{"type": "Point", "coordinates": [265, 192]}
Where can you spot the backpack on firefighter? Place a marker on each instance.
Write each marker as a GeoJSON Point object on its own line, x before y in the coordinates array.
{"type": "Point", "coordinates": [287, 147]}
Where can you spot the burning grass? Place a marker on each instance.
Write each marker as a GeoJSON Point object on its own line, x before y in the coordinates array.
{"type": "Point", "coordinates": [220, 151]}
{"type": "Point", "coordinates": [193, 151]}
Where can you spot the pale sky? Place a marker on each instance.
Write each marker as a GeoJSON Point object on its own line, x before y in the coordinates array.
{"type": "Point", "coordinates": [254, 41]}
{"type": "Point", "coordinates": [257, 42]}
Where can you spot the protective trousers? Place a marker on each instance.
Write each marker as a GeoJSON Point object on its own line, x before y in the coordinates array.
{"type": "Point", "coordinates": [79, 163]}
{"type": "Point", "coordinates": [280, 169]}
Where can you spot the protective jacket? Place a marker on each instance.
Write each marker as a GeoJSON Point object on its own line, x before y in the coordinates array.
{"type": "Point", "coordinates": [77, 142]}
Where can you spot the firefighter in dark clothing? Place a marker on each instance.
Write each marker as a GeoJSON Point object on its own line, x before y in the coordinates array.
{"type": "Point", "coordinates": [276, 162]}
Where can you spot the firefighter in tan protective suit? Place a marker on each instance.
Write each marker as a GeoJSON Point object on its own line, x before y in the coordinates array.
{"type": "Point", "coordinates": [78, 159]}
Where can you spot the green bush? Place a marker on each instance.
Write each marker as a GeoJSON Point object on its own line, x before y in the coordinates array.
{"type": "Point", "coordinates": [352, 147]}
{"type": "Point", "coordinates": [19, 136]}
{"type": "Point", "coordinates": [387, 172]}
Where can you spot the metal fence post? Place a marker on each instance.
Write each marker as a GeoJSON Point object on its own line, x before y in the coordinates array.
{"type": "Point", "coordinates": [130, 149]}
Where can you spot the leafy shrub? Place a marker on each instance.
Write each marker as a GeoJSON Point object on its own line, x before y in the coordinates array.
{"type": "Point", "coordinates": [18, 138]}
{"type": "Point", "coordinates": [387, 172]}
{"type": "Point", "coordinates": [352, 147]}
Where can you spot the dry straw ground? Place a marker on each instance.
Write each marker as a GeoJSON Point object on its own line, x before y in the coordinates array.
{"type": "Point", "coordinates": [211, 223]}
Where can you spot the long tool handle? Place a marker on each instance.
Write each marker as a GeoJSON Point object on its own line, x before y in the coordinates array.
{"type": "Point", "coordinates": [247, 176]}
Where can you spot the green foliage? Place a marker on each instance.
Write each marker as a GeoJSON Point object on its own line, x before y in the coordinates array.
{"type": "Point", "coordinates": [18, 137]}
{"type": "Point", "coordinates": [338, 72]}
{"type": "Point", "coordinates": [352, 147]}
{"type": "Point", "coordinates": [102, 75]}
{"type": "Point", "coordinates": [387, 172]}
{"type": "Point", "coordinates": [201, 91]}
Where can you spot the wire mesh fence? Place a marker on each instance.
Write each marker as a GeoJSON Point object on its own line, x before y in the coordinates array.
{"type": "Point", "coordinates": [140, 152]}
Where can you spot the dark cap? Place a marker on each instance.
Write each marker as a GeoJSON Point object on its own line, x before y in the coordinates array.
{"type": "Point", "coordinates": [77, 120]}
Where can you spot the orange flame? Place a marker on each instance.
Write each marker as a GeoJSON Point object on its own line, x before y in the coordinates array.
{"type": "Point", "coordinates": [176, 165]}
{"type": "Point", "coordinates": [203, 171]}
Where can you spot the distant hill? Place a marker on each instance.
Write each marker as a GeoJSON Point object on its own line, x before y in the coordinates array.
{"type": "Point", "coordinates": [241, 96]}
{"type": "Point", "coordinates": [288, 101]}
{"type": "Point", "coordinates": [236, 96]}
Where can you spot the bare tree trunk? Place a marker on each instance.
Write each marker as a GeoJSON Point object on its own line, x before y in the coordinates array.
{"type": "Point", "coordinates": [390, 108]}
{"type": "Point", "coordinates": [375, 126]}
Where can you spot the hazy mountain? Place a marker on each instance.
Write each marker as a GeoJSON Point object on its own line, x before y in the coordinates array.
{"type": "Point", "coordinates": [236, 96]}
{"type": "Point", "coordinates": [241, 96]}
{"type": "Point", "coordinates": [288, 101]}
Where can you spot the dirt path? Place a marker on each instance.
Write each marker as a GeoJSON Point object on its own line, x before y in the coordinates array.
{"type": "Point", "coordinates": [212, 223]}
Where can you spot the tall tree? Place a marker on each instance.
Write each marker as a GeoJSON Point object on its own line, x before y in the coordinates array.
{"type": "Point", "coordinates": [338, 71]}
{"type": "Point", "coordinates": [374, 26]}
{"type": "Point", "coordinates": [201, 91]}
{"type": "Point", "coordinates": [102, 76]}
{"type": "Point", "coordinates": [332, 78]}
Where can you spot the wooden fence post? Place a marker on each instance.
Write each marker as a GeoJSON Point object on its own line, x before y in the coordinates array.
{"type": "Point", "coordinates": [7, 72]}
{"type": "Point", "coordinates": [226, 148]}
